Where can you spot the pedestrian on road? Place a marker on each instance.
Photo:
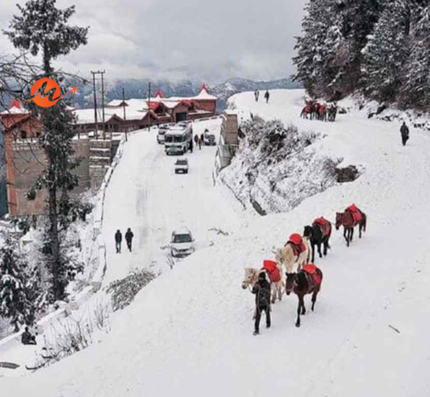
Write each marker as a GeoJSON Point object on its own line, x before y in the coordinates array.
{"type": "Point", "coordinates": [256, 94]}
{"type": "Point", "coordinates": [128, 238]}
{"type": "Point", "coordinates": [196, 139]}
{"type": "Point", "coordinates": [404, 130]}
{"type": "Point", "coordinates": [202, 136]}
{"type": "Point", "coordinates": [200, 143]}
{"type": "Point", "coordinates": [261, 290]}
{"type": "Point", "coordinates": [267, 96]}
{"type": "Point", "coordinates": [118, 240]}
{"type": "Point", "coordinates": [191, 146]}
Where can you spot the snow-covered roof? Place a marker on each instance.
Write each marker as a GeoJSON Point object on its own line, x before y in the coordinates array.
{"type": "Point", "coordinates": [15, 110]}
{"type": "Point", "coordinates": [86, 116]}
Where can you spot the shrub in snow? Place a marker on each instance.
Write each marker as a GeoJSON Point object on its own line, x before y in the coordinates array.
{"type": "Point", "coordinates": [123, 291]}
{"type": "Point", "coordinates": [15, 287]}
{"type": "Point", "coordinates": [277, 167]}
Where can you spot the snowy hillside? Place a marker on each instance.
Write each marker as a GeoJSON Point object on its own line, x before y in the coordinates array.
{"type": "Point", "coordinates": [189, 332]}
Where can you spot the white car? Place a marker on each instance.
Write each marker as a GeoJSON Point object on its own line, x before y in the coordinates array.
{"type": "Point", "coordinates": [161, 133]}
{"type": "Point", "coordinates": [182, 243]}
{"type": "Point", "coordinates": [181, 166]}
{"type": "Point", "coordinates": [209, 139]}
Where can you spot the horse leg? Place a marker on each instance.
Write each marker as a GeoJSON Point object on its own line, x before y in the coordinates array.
{"type": "Point", "coordinates": [273, 288]}
{"type": "Point", "coordinates": [314, 298]}
{"type": "Point", "coordinates": [345, 235]}
{"type": "Point", "coordinates": [313, 251]}
{"type": "Point", "coordinates": [360, 227]}
{"type": "Point", "coordinates": [298, 310]}
{"type": "Point", "coordinates": [319, 249]}
{"type": "Point", "coordinates": [352, 233]}
{"type": "Point", "coordinates": [325, 247]}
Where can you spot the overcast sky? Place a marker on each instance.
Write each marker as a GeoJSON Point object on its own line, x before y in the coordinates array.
{"type": "Point", "coordinates": [192, 39]}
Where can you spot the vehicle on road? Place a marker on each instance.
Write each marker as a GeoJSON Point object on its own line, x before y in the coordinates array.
{"type": "Point", "coordinates": [209, 138]}
{"type": "Point", "coordinates": [162, 133]}
{"type": "Point", "coordinates": [177, 139]}
{"type": "Point", "coordinates": [182, 243]}
{"type": "Point", "coordinates": [181, 166]}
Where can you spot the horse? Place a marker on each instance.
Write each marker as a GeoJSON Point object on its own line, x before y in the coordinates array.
{"type": "Point", "coordinates": [332, 111]}
{"type": "Point", "coordinates": [348, 222]}
{"type": "Point", "coordinates": [315, 111]}
{"type": "Point", "coordinates": [306, 111]}
{"type": "Point", "coordinates": [251, 277]}
{"type": "Point", "coordinates": [316, 237]}
{"type": "Point", "coordinates": [322, 112]}
{"type": "Point", "coordinates": [285, 256]}
{"type": "Point", "coordinates": [303, 283]}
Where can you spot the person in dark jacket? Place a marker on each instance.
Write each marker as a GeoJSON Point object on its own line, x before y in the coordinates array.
{"type": "Point", "coordinates": [27, 338]}
{"type": "Point", "coordinates": [404, 130]}
{"type": "Point", "coordinates": [256, 95]}
{"type": "Point", "coordinates": [261, 290]}
{"type": "Point", "coordinates": [267, 96]}
{"type": "Point", "coordinates": [118, 240]}
{"type": "Point", "coordinates": [128, 238]}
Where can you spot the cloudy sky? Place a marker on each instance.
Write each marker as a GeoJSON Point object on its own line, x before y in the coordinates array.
{"type": "Point", "coordinates": [193, 39]}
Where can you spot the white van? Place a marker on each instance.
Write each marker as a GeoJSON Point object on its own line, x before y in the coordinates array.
{"type": "Point", "coordinates": [177, 140]}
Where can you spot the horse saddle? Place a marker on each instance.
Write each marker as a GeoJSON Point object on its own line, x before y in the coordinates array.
{"type": "Point", "coordinates": [272, 270]}
{"type": "Point", "coordinates": [312, 276]}
{"type": "Point", "coordinates": [324, 225]}
{"type": "Point", "coordinates": [355, 212]}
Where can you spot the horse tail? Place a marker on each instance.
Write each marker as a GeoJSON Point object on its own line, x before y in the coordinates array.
{"type": "Point", "coordinates": [364, 222]}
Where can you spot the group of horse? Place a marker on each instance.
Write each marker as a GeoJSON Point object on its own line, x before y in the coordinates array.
{"type": "Point", "coordinates": [297, 258]}
{"type": "Point", "coordinates": [319, 111]}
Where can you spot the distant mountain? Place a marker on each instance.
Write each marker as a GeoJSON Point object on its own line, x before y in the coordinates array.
{"type": "Point", "coordinates": [134, 88]}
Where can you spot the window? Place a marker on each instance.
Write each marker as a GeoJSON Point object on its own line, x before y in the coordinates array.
{"type": "Point", "coordinates": [23, 134]}
{"type": "Point", "coordinates": [182, 238]}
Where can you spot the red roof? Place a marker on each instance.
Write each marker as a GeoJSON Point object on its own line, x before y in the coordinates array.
{"type": "Point", "coordinates": [153, 105]}
{"type": "Point", "coordinates": [159, 93]}
{"type": "Point", "coordinates": [186, 102]}
{"type": "Point", "coordinates": [15, 103]}
{"type": "Point", "coordinates": [204, 87]}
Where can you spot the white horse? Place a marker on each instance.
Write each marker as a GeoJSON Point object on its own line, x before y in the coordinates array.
{"type": "Point", "coordinates": [285, 256]}
{"type": "Point", "coordinates": [251, 277]}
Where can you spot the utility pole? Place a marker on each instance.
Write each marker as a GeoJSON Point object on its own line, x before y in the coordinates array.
{"type": "Point", "coordinates": [95, 104]}
{"type": "Point", "coordinates": [103, 106]}
{"type": "Point", "coordinates": [124, 115]}
{"type": "Point", "coordinates": [149, 106]}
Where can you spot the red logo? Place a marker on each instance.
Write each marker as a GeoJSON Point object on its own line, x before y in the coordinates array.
{"type": "Point", "coordinates": [44, 101]}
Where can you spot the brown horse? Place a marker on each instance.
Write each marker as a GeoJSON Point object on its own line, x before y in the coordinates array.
{"type": "Point", "coordinates": [306, 111]}
{"type": "Point", "coordinates": [306, 281]}
{"type": "Point", "coordinates": [346, 219]}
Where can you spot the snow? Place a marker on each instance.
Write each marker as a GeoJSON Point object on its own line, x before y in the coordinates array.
{"type": "Point", "coordinates": [190, 330]}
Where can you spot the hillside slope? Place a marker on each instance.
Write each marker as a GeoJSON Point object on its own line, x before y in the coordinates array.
{"type": "Point", "coordinates": [190, 331]}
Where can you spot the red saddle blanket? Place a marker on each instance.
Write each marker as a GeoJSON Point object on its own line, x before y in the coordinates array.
{"type": "Point", "coordinates": [272, 270]}
{"type": "Point", "coordinates": [311, 270]}
{"type": "Point", "coordinates": [296, 243]}
{"type": "Point", "coordinates": [355, 212]}
{"type": "Point", "coordinates": [324, 224]}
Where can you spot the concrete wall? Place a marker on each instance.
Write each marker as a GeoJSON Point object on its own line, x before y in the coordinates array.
{"type": "Point", "coordinates": [26, 163]}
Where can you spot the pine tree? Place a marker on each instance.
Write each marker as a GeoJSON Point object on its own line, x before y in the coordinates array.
{"type": "Point", "coordinates": [15, 289]}
{"type": "Point", "coordinates": [416, 88]}
{"type": "Point", "coordinates": [42, 28]}
{"type": "Point", "coordinates": [386, 53]}
{"type": "Point", "coordinates": [317, 47]}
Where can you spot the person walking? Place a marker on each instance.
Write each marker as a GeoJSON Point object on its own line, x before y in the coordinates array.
{"type": "Point", "coordinates": [267, 96]}
{"type": "Point", "coordinates": [202, 136]}
{"type": "Point", "coordinates": [196, 139]}
{"type": "Point", "coordinates": [118, 240]}
{"type": "Point", "coordinates": [200, 143]}
{"type": "Point", "coordinates": [404, 131]}
{"type": "Point", "coordinates": [261, 290]}
{"type": "Point", "coordinates": [256, 94]}
{"type": "Point", "coordinates": [129, 238]}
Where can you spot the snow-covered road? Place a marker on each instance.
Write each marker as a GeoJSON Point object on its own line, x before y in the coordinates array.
{"type": "Point", "coordinates": [189, 332]}
{"type": "Point", "coordinates": [146, 195]}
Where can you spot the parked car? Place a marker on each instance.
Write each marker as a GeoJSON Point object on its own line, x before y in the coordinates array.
{"type": "Point", "coordinates": [181, 165]}
{"type": "Point", "coordinates": [209, 138]}
{"type": "Point", "coordinates": [182, 243]}
{"type": "Point", "coordinates": [162, 133]}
